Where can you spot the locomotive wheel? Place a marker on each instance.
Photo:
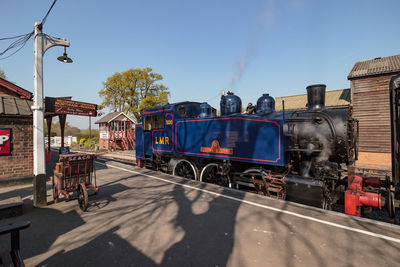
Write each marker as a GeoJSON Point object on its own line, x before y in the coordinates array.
{"type": "Point", "coordinates": [83, 200]}
{"type": "Point", "coordinates": [185, 169]}
{"type": "Point", "coordinates": [390, 205]}
{"type": "Point", "coordinates": [209, 175]}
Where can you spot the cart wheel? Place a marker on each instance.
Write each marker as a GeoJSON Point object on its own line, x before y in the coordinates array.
{"type": "Point", "coordinates": [83, 201]}
{"type": "Point", "coordinates": [55, 193]}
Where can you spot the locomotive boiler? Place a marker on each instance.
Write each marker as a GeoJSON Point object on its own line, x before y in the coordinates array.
{"type": "Point", "coordinates": [301, 156]}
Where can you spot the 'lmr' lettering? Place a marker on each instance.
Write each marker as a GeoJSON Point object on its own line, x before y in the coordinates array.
{"type": "Point", "coordinates": [161, 140]}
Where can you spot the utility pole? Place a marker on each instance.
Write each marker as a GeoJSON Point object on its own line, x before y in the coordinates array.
{"type": "Point", "coordinates": [90, 127]}
{"type": "Point", "coordinates": [42, 42]}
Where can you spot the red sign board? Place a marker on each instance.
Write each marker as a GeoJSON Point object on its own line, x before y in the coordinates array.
{"type": "Point", "coordinates": [66, 106]}
{"type": "Point", "coordinates": [74, 111]}
{"type": "Point", "coordinates": [5, 142]}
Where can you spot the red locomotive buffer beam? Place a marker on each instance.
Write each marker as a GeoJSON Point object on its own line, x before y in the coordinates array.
{"type": "Point", "coordinates": [355, 198]}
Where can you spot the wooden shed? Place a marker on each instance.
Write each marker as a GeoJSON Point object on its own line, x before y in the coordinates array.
{"type": "Point", "coordinates": [370, 97]}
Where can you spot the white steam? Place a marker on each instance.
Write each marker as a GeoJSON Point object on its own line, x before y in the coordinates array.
{"type": "Point", "coordinates": [239, 67]}
{"type": "Point", "coordinates": [321, 133]}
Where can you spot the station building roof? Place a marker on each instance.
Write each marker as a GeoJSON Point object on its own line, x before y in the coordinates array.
{"type": "Point", "coordinates": [334, 98]}
{"type": "Point", "coordinates": [377, 66]}
{"type": "Point", "coordinates": [114, 116]}
{"type": "Point", "coordinates": [9, 88]}
{"type": "Point", "coordinates": [14, 100]}
{"type": "Point", "coordinates": [15, 106]}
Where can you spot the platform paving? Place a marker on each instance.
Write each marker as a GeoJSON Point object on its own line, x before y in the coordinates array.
{"type": "Point", "coordinates": [144, 218]}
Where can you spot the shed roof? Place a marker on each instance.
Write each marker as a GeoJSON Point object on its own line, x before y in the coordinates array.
{"type": "Point", "coordinates": [333, 98]}
{"type": "Point", "coordinates": [112, 116]}
{"type": "Point", "coordinates": [380, 65]}
{"type": "Point", "coordinates": [10, 105]}
{"type": "Point", "coordinates": [21, 92]}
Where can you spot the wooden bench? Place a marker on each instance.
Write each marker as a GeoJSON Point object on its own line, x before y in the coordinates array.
{"type": "Point", "coordinates": [13, 257]}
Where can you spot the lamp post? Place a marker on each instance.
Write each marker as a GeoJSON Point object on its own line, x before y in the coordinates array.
{"type": "Point", "coordinates": [42, 42]}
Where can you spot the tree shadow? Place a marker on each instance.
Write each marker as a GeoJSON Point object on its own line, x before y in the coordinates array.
{"type": "Point", "coordinates": [202, 226]}
{"type": "Point", "coordinates": [107, 249]}
{"type": "Point", "coordinates": [208, 237]}
{"type": "Point", "coordinates": [46, 226]}
{"type": "Point", "coordinates": [206, 233]}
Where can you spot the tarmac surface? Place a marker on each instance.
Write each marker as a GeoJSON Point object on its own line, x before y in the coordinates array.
{"type": "Point", "coordinates": [145, 218]}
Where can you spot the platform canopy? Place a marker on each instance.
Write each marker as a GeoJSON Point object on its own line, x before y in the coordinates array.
{"type": "Point", "coordinates": [61, 107]}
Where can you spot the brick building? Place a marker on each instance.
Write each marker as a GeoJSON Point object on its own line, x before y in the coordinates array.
{"type": "Point", "coordinates": [16, 149]}
{"type": "Point", "coordinates": [371, 106]}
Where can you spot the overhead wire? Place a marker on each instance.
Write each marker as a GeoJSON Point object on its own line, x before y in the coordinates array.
{"type": "Point", "coordinates": [8, 38]}
{"type": "Point", "coordinates": [21, 46]}
{"type": "Point", "coordinates": [19, 42]}
{"type": "Point", "coordinates": [48, 12]}
{"type": "Point", "coordinates": [22, 39]}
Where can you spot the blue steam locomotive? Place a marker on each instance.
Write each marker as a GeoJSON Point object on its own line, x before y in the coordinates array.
{"type": "Point", "coordinates": [298, 155]}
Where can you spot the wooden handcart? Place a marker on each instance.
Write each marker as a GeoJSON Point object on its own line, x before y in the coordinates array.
{"type": "Point", "coordinates": [74, 173]}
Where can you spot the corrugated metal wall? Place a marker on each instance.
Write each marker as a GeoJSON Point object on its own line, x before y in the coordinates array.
{"type": "Point", "coordinates": [370, 97]}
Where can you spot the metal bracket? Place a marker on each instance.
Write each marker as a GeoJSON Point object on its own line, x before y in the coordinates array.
{"type": "Point", "coordinates": [50, 41]}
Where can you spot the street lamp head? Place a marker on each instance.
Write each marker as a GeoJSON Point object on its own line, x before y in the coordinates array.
{"type": "Point", "coordinates": [64, 58]}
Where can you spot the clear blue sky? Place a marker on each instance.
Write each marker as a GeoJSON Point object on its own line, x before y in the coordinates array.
{"type": "Point", "coordinates": [278, 47]}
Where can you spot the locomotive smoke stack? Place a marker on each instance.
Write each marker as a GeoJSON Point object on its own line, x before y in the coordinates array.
{"type": "Point", "coordinates": [316, 97]}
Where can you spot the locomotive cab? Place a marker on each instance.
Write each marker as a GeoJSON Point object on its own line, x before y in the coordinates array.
{"type": "Point", "coordinates": [154, 136]}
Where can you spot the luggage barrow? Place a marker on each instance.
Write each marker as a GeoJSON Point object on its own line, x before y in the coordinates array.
{"type": "Point", "coordinates": [74, 173]}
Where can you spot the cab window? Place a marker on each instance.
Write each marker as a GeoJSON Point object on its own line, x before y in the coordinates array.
{"type": "Point", "coordinates": [147, 123]}
{"type": "Point", "coordinates": [182, 111]}
{"type": "Point", "coordinates": [158, 121]}
{"type": "Point", "coordinates": [161, 122]}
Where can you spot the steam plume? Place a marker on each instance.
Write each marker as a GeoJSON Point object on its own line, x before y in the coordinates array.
{"type": "Point", "coordinates": [239, 67]}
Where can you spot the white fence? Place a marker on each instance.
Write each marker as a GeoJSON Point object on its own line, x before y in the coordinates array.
{"type": "Point", "coordinates": [56, 140]}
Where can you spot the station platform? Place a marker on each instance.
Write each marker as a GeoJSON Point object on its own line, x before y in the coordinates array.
{"type": "Point", "coordinates": [145, 218]}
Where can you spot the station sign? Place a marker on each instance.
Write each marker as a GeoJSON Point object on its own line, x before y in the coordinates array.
{"type": "Point", "coordinates": [66, 106]}
{"type": "Point", "coordinates": [104, 135]}
{"type": "Point", "coordinates": [5, 141]}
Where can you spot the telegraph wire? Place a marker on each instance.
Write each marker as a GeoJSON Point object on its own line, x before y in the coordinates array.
{"type": "Point", "coordinates": [8, 38]}
{"type": "Point", "coordinates": [23, 38]}
{"type": "Point", "coordinates": [21, 41]}
{"type": "Point", "coordinates": [48, 12]}
{"type": "Point", "coordinates": [15, 51]}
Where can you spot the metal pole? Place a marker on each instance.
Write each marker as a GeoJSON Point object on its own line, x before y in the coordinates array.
{"type": "Point", "coordinates": [90, 127]}
{"type": "Point", "coordinates": [42, 42]}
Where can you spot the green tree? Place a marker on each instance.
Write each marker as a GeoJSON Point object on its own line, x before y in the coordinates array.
{"type": "Point", "coordinates": [134, 90]}
{"type": "Point", "coordinates": [68, 130]}
{"type": "Point", "coordinates": [3, 75]}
